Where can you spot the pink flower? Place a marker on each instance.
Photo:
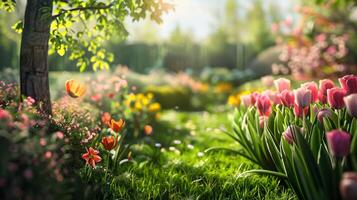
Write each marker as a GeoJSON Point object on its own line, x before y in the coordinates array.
{"type": "Point", "coordinates": [335, 97]}
{"type": "Point", "coordinates": [43, 142]}
{"type": "Point", "coordinates": [312, 86]}
{"type": "Point", "coordinates": [96, 97]}
{"type": "Point", "coordinates": [274, 96]}
{"type": "Point", "coordinates": [48, 154]}
{"type": "Point", "coordinates": [29, 101]}
{"type": "Point", "coordinates": [351, 104]}
{"type": "Point", "coordinates": [282, 84]}
{"type": "Point", "coordinates": [349, 83]}
{"type": "Point", "coordinates": [288, 135]}
{"type": "Point", "coordinates": [287, 98]}
{"type": "Point", "coordinates": [246, 100]}
{"type": "Point", "coordinates": [5, 115]}
{"type": "Point", "coordinates": [59, 135]}
{"type": "Point", "coordinates": [263, 105]}
{"type": "Point", "coordinates": [324, 113]}
{"type": "Point", "coordinates": [338, 142]}
{"type": "Point", "coordinates": [348, 186]}
{"type": "Point", "coordinates": [302, 97]}
{"type": "Point", "coordinates": [267, 81]}
{"type": "Point", "coordinates": [28, 174]}
{"type": "Point", "coordinates": [254, 97]}
{"type": "Point", "coordinates": [262, 121]}
{"type": "Point", "coordinates": [325, 84]}
{"type": "Point", "coordinates": [300, 112]}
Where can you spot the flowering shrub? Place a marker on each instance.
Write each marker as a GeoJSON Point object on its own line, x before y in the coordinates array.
{"type": "Point", "coordinates": [306, 136]}
{"type": "Point", "coordinates": [60, 156]}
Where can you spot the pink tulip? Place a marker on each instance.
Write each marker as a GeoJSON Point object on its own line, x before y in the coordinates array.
{"type": "Point", "coordinates": [349, 83]}
{"type": "Point", "coordinates": [287, 98]}
{"type": "Point", "coordinates": [324, 113]}
{"type": "Point", "coordinates": [254, 97]}
{"type": "Point", "coordinates": [282, 84]}
{"type": "Point", "coordinates": [335, 97]}
{"type": "Point", "coordinates": [263, 105]}
{"type": "Point", "coordinates": [302, 97]}
{"type": "Point", "coordinates": [262, 121]}
{"type": "Point", "coordinates": [325, 84]}
{"type": "Point", "coordinates": [274, 96]}
{"type": "Point", "coordinates": [348, 186]}
{"type": "Point", "coordinates": [289, 133]}
{"type": "Point", "coordinates": [351, 104]}
{"type": "Point", "coordinates": [338, 142]}
{"type": "Point", "coordinates": [246, 100]}
{"type": "Point", "coordinates": [300, 112]}
{"type": "Point", "coordinates": [312, 86]}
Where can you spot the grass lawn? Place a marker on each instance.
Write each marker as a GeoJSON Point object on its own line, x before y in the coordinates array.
{"type": "Point", "coordinates": [179, 169]}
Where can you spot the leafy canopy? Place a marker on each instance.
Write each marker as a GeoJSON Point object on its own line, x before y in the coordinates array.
{"type": "Point", "coordinates": [81, 26]}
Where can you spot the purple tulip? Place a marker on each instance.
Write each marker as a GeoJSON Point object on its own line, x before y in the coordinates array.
{"type": "Point", "coordinates": [351, 104]}
{"type": "Point", "coordinates": [324, 113]}
{"type": "Point", "coordinates": [302, 97]}
{"type": "Point", "coordinates": [338, 142]}
{"type": "Point", "coordinates": [348, 186]}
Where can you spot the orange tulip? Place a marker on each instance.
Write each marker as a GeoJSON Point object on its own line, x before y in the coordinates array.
{"type": "Point", "coordinates": [105, 118]}
{"type": "Point", "coordinates": [109, 142]}
{"type": "Point", "coordinates": [91, 157]}
{"type": "Point", "coordinates": [116, 126]}
{"type": "Point", "coordinates": [148, 130]}
{"type": "Point", "coordinates": [75, 89]}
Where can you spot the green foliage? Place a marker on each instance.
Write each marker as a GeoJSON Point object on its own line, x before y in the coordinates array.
{"type": "Point", "coordinates": [83, 26]}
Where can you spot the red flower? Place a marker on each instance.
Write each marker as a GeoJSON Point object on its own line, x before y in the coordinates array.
{"type": "Point", "coordinates": [109, 142]}
{"type": "Point", "coordinates": [263, 105]}
{"type": "Point", "coordinates": [335, 97]}
{"type": "Point", "coordinates": [312, 86]}
{"type": "Point", "coordinates": [287, 98]}
{"type": "Point", "coordinates": [325, 84]}
{"type": "Point", "coordinates": [299, 111]}
{"type": "Point", "coordinates": [116, 126]}
{"type": "Point", "coordinates": [349, 83]}
{"type": "Point", "coordinates": [91, 157]}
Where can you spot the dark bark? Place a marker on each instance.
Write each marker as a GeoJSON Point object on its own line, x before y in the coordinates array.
{"type": "Point", "coordinates": [34, 53]}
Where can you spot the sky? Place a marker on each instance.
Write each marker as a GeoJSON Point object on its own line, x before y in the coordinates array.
{"type": "Point", "coordinates": [198, 16]}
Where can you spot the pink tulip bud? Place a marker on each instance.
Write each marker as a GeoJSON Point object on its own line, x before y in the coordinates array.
{"type": "Point", "coordinates": [254, 97]}
{"type": "Point", "coordinates": [263, 105]}
{"type": "Point", "coordinates": [335, 97]}
{"type": "Point", "coordinates": [300, 112]}
{"type": "Point", "coordinates": [288, 135]}
{"type": "Point", "coordinates": [302, 97]}
{"type": "Point", "coordinates": [349, 83]}
{"type": "Point", "coordinates": [351, 104]}
{"type": "Point", "coordinates": [246, 100]}
{"type": "Point", "coordinates": [263, 120]}
{"type": "Point", "coordinates": [348, 186]}
{"type": "Point", "coordinates": [282, 84]}
{"type": "Point", "coordinates": [287, 98]}
{"type": "Point", "coordinates": [325, 84]}
{"type": "Point", "coordinates": [324, 113]}
{"type": "Point", "coordinates": [338, 142]}
{"type": "Point", "coordinates": [312, 86]}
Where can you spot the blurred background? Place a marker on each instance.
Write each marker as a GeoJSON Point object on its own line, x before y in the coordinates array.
{"type": "Point", "coordinates": [216, 45]}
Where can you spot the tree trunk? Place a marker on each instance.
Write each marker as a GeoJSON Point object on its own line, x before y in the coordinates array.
{"type": "Point", "coordinates": [34, 53]}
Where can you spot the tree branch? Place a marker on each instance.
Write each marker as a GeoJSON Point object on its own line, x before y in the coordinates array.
{"type": "Point", "coordinates": [82, 9]}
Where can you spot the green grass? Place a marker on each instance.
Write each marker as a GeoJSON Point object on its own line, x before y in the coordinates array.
{"type": "Point", "coordinates": [180, 173]}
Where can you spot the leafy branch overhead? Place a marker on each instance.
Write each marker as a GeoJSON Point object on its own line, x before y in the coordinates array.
{"type": "Point", "coordinates": [81, 26]}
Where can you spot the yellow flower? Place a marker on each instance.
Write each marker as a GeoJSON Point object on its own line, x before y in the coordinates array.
{"type": "Point", "coordinates": [155, 107]}
{"type": "Point", "coordinates": [223, 87]}
{"type": "Point", "coordinates": [233, 100]}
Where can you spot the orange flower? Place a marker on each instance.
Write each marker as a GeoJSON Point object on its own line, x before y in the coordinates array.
{"type": "Point", "coordinates": [109, 142]}
{"type": "Point", "coordinates": [106, 118]}
{"type": "Point", "coordinates": [116, 126]}
{"type": "Point", "coordinates": [148, 130]}
{"type": "Point", "coordinates": [75, 89]}
{"type": "Point", "coordinates": [91, 157]}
